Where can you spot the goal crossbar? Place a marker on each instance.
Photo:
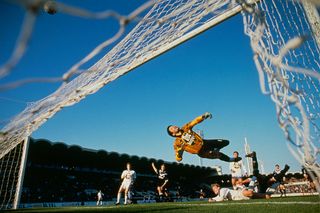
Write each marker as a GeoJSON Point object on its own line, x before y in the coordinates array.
{"type": "Point", "coordinates": [215, 21]}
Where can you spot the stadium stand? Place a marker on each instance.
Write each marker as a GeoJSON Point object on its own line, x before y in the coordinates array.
{"type": "Point", "coordinates": [57, 172]}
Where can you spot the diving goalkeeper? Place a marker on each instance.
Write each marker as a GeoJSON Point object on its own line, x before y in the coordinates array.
{"type": "Point", "coordinates": [189, 141]}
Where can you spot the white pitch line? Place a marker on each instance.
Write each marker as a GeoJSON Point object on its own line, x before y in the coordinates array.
{"type": "Point", "coordinates": [251, 203]}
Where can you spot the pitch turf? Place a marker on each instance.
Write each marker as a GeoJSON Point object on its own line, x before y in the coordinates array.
{"type": "Point", "coordinates": [284, 205]}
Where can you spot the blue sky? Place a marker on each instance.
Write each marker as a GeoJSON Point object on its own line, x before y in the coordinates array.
{"type": "Point", "coordinates": [213, 72]}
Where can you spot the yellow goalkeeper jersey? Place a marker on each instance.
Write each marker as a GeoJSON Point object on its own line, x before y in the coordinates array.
{"type": "Point", "coordinates": [189, 140]}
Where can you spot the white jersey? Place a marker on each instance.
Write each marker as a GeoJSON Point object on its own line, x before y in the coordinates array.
{"type": "Point", "coordinates": [229, 194]}
{"type": "Point", "coordinates": [100, 195]}
{"type": "Point", "coordinates": [128, 177]}
{"type": "Point", "coordinates": [237, 169]}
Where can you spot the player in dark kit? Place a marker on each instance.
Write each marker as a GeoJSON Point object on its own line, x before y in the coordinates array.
{"type": "Point", "coordinates": [257, 177]}
{"type": "Point", "coordinates": [277, 178]}
{"type": "Point", "coordinates": [189, 141]}
{"type": "Point", "coordinates": [162, 179]}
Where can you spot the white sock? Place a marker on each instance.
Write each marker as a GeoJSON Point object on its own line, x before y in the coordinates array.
{"type": "Point", "coordinates": [125, 199]}
{"type": "Point", "coordinates": [118, 197]}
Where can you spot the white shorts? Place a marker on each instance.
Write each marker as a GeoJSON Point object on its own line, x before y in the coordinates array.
{"type": "Point", "coordinates": [237, 195]}
{"type": "Point", "coordinates": [237, 174]}
{"type": "Point", "coordinates": [125, 185]}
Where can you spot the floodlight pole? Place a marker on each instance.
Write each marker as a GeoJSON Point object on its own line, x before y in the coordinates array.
{"type": "Point", "coordinates": [249, 160]}
{"type": "Point", "coordinates": [22, 168]}
{"type": "Point", "coordinates": [262, 167]}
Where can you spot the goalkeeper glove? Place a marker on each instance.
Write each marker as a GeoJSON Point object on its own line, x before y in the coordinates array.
{"type": "Point", "coordinates": [207, 115]}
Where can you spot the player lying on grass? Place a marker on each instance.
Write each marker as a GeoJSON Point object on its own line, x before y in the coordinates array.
{"type": "Point", "coordinates": [277, 178]}
{"type": "Point", "coordinates": [258, 179]}
{"type": "Point", "coordinates": [189, 141]}
{"type": "Point", "coordinates": [223, 194]}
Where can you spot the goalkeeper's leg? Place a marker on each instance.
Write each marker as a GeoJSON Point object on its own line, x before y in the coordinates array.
{"type": "Point", "coordinates": [216, 155]}
{"type": "Point", "coordinates": [255, 164]}
{"type": "Point", "coordinates": [215, 144]}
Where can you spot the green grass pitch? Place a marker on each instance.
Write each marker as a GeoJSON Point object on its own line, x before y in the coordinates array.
{"type": "Point", "coordinates": [308, 204]}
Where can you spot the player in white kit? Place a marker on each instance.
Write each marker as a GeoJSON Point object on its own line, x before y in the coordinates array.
{"type": "Point", "coordinates": [128, 176]}
{"type": "Point", "coordinates": [99, 198]}
{"type": "Point", "coordinates": [238, 171]}
{"type": "Point", "coordinates": [223, 194]}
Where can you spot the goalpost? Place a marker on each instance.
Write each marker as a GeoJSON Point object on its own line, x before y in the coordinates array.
{"type": "Point", "coordinates": [12, 168]}
{"type": "Point", "coordinates": [285, 41]}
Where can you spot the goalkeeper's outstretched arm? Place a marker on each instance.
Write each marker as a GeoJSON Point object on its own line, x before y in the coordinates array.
{"type": "Point", "coordinates": [179, 153]}
{"type": "Point", "coordinates": [199, 119]}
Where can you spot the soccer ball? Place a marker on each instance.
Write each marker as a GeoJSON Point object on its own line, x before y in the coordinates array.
{"type": "Point", "coordinates": [50, 7]}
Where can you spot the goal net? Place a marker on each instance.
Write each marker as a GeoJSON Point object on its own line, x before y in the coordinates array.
{"type": "Point", "coordinates": [12, 167]}
{"type": "Point", "coordinates": [285, 39]}
{"type": "Point", "coordinates": [285, 49]}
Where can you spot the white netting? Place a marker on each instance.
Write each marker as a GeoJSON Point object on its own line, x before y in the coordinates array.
{"type": "Point", "coordinates": [9, 174]}
{"type": "Point", "coordinates": [286, 54]}
{"type": "Point", "coordinates": [166, 22]}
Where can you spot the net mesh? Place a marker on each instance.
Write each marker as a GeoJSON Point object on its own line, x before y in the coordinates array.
{"type": "Point", "coordinates": [286, 53]}
{"type": "Point", "coordinates": [9, 174]}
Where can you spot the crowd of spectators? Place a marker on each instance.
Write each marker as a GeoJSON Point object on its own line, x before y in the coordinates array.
{"type": "Point", "coordinates": [298, 185]}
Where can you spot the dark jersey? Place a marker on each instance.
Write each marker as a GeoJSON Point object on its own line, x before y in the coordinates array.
{"type": "Point", "coordinates": [163, 175]}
